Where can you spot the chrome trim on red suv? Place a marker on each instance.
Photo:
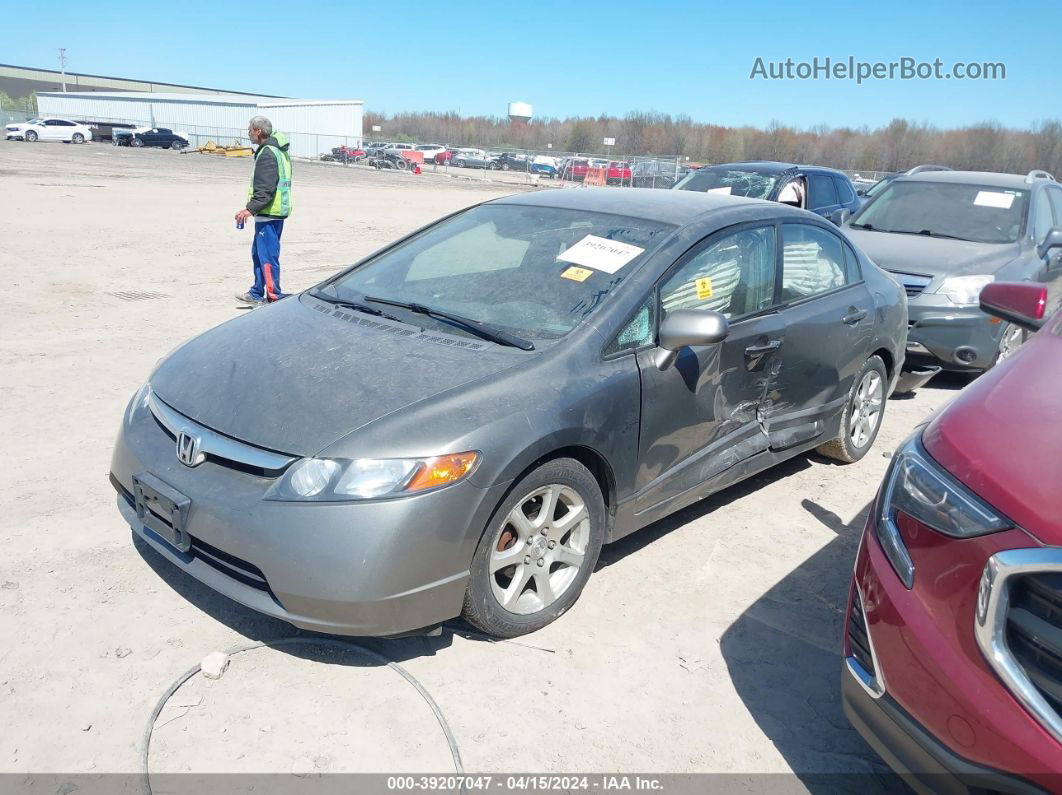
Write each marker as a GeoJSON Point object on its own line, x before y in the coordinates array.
{"type": "Point", "coordinates": [990, 625]}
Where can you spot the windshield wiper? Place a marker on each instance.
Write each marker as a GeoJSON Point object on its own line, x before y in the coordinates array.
{"type": "Point", "coordinates": [930, 233]}
{"type": "Point", "coordinates": [368, 310]}
{"type": "Point", "coordinates": [868, 227]}
{"type": "Point", "coordinates": [475, 326]}
{"type": "Point", "coordinates": [923, 232]}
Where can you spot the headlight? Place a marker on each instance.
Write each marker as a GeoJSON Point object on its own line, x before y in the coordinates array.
{"type": "Point", "coordinates": [918, 487]}
{"type": "Point", "coordinates": [964, 290]}
{"type": "Point", "coordinates": [139, 401]}
{"type": "Point", "coordinates": [342, 479]}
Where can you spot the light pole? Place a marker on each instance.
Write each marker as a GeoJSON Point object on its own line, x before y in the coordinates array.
{"type": "Point", "coordinates": [62, 67]}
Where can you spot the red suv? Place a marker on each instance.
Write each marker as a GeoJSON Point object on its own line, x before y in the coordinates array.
{"type": "Point", "coordinates": [953, 646]}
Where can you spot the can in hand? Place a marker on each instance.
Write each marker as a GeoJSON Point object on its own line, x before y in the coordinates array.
{"type": "Point", "coordinates": [239, 224]}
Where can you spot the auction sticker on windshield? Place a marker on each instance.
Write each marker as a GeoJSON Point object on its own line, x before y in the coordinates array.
{"type": "Point", "coordinates": [991, 198]}
{"type": "Point", "coordinates": [577, 274]}
{"type": "Point", "coordinates": [600, 253]}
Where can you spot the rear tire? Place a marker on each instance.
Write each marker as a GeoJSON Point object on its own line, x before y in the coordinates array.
{"type": "Point", "coordinates": [862, 415]}
{"type": "Point", "coordinates": [552, 556]}
{"type": "Point", "coordinates": [77, 138]}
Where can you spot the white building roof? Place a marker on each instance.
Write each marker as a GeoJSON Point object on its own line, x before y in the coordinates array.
{"type": "Point", "coordinates": [199, 99]}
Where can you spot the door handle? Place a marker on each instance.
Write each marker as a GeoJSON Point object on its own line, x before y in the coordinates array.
{"type": "Point", "coordinates": [854, 317]}
{"type": "Point", "coordinates": [767, 347]}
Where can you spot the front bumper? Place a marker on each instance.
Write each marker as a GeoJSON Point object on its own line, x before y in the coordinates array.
{"type": "Point", "coordinates": [955, 337]}
{"type": "Point", "coordinates": [382, 567]}
{"type": "Point", "coordinates": [932, 707]}
{"type": "Point", "coordinates": [925, 763]}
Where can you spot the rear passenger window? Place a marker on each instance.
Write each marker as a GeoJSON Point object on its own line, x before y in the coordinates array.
{"type": "Point", "coordinates": [821, 192]}
{"type": "Point", "coordinates": [844, 190]}
{"type": "Point", "coordinates": [813, 261]}
{"type": "Point", "coordinates": [733, 276]}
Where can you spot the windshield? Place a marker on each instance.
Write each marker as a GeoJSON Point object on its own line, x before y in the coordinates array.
{"type": "Point", "coordinates": [878, 187]}
{"type": "Point", "coordinates": [734, 181]}
{"type": "Point", "coordinates": [501, 265]}
{"type": "Point", "coordinates": [978, 213]}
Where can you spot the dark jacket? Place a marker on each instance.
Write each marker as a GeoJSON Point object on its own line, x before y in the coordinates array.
{"type": "Point", "coordinates": [266, 173]}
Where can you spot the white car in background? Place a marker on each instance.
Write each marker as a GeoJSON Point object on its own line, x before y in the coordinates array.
{"type": "Point", "coordinates": [49, 129]}
{"type": "Point", "coordinates": [430, 151]}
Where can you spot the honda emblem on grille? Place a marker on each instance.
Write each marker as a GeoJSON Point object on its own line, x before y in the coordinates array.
{"type": "Point", "coordinates": [188, 449]}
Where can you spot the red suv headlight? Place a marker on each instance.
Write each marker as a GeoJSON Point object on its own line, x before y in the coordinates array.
{"type": "Point", "coordinates": [919, 487]}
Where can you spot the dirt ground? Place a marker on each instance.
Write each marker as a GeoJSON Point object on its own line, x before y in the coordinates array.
{"type": "Point", "coordinates": [708, 642]}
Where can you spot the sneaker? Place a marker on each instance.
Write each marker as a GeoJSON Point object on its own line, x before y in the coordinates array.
{"type": "Point", "coordinates": [247, 298]}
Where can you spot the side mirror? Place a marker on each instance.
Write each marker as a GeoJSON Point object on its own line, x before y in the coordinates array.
{"type": "Point", "coordinates": [1053, 240]}
{"type": "Point", "coordinates": [1021, 303]}
{"type": "Point", "coordinates": [840, 216]}
{"type": "Point", "coordinates": [687, 327]}
{"type": "Point", "coordinates": [861, 192]}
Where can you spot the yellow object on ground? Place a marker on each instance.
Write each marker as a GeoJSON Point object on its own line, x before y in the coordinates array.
{"type": "Point", "coordinates": [236, 150]}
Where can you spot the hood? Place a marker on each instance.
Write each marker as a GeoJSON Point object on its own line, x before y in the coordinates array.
{"type": "Point", "coordinates": [299, 374]}
{"type": "Point", "coordinates": [1017, 401]}
{"type": "Point", "coordinates": [932, 256]}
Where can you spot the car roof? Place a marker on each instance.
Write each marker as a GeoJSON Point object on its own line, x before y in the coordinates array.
{"type": "Point", "coordinates": [775, 167]}
{"type": "Point", "coordinates": [990, 178]}
{"type": "Point", "coordinates": [676, 207]}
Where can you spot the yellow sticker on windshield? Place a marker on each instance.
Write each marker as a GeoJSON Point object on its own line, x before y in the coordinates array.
{"type": "Point", "coordinates": [704, 289]}
{"type": "Point", "coordinates": [577, 274]}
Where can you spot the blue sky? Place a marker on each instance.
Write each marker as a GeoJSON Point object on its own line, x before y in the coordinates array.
{"type": "Point", "coordinates": [571, 58]}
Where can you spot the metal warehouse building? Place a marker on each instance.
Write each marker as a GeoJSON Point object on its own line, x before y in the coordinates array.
{"type": "Point", "coordinates": [314, 126]}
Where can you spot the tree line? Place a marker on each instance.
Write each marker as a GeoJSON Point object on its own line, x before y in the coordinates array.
{"type": "Point", "coordinates": [899, 145]}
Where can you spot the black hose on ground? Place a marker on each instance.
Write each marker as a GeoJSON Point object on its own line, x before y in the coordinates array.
{"type": "Point", "coordinates": [272, 644]}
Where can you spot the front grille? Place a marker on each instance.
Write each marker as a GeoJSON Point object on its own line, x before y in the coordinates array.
{"type": "Point", "coordinates": [858, 638]}
{"type": "Point", "coordinates": [1034, 632]}
{"type": "Point", "coordinates": [913, 283]}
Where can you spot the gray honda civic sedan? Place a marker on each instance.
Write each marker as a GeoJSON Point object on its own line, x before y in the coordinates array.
{"type": "Point", "coordinates": [457, 423]}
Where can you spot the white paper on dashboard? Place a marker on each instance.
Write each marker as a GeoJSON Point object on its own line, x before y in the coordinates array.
{"type": "Point", "coordinates": [600, 253]}
{"type": "Point", "coordinates": [992, 198]}
{"type": "Point", "coordinates": [723, 191]}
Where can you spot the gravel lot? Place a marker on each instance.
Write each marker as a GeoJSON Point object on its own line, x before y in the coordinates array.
{"type": "Point", "coordinates": [708, 642]}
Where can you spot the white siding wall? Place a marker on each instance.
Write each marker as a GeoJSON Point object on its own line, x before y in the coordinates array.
{"type": "Point", "coordinates": [313, 127]}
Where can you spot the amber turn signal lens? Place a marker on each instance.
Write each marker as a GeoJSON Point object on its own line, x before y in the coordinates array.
{"type": "Point", "coordinates": [442, 470]}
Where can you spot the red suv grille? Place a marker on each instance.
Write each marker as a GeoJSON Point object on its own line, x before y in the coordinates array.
{"type": "Point", "coordinates": [1034, 632]}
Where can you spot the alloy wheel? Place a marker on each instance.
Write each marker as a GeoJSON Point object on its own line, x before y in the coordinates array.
{"type": "Point", "coordinates": [1013, 337]}
{"type": "Point", "coordinates": [539, 550]}
{"type": "Point", "coordinates": [866, 408]}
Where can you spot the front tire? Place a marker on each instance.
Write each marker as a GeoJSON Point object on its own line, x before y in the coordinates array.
{"type": "Point", "coordinates": [537, 552]}
{"type": "Point", "coordinates": [862, 415]}
{"type": "Point", "coordinates": [30, 136]}
{"type": "Point", "coordinates": [177, 146]}
{"type": "Point", "coordinates": [1011, 337]}
{"type": "Point", "coordinates": [136, 142]}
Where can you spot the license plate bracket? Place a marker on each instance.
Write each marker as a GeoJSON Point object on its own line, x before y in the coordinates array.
{"type": "Point", "coordinates": [162, 509]}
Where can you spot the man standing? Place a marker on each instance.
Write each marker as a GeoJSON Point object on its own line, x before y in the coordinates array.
{"type": "Point", "coordinates": [269, 202]}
